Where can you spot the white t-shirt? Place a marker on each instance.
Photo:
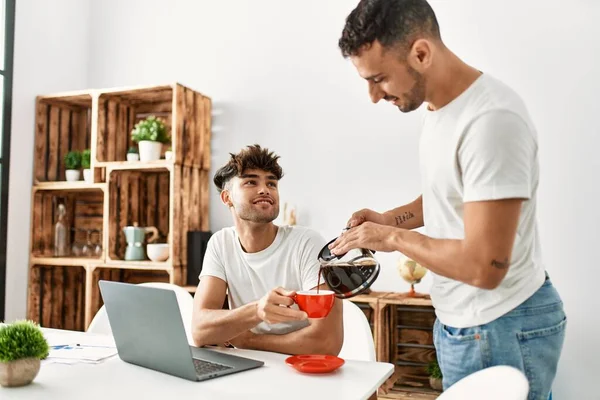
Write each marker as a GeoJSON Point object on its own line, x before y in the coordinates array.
{"type": "Point", "coordinates": [481, 146]}
{"type": "Point", "coordinates": [291, 262]}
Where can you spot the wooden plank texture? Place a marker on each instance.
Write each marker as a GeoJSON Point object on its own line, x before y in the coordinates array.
{"type": "Point", "coordinates": [64, 141]}
{"type": "Point", "coordinates": [111, 131]}
{"type": "Point", "coordinates": [33, 301]}
{"type": "Point", "coordinates": [41, 142]}
{"type": "Point", "coordinates": [206, 162]}
{"type": "Point", "coordinates": [101, 130]}
{"type": "Point", "coordinates": [416, 318]}
{"type": "Point", "coordinates": [415, 336]}
{"type": "Point", "coordinates": [53, 154]}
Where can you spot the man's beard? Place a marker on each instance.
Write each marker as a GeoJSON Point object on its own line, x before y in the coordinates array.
{"type": "Point", "coordinates": [416, 96]}
{"type": "Point", "coordinates": [247, 213]}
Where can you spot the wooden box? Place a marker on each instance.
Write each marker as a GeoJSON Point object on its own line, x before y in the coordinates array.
{"type": "Point", "coordinates": [409, 325]}
{"type": "Point", "coordinates": [63, 123]}
{"type": "Point", "coordinates": [57, 296]}
{"type": "Point", "coordinates": [185, 112]}
{"type": "Point", "coordinates": [136, 198]}
{"type": "Point", "coordinates": [84, 218]}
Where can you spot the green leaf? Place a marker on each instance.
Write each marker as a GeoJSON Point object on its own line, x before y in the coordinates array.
{"type": "Point", "coordinates": [22, 339]}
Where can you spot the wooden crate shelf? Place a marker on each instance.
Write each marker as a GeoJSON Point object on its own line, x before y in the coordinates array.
{"type": "Point", "coordinates": [57, 296]}
{"type": "Point", "coordinates": [186, 114]}
{"type": "Point", "coordinates": [172, 195]}
{"type": "Point", "coordinates": [63, 123]}
{"type": "Point", "coordinates": [145, 265]}
{"type": "Point", "coordinates": [140, 198]}
{"type": "Point", "coordinates": [151, 166]}
{"type": "Point", "coordinates": [72, 186]}
{"type": "Point", "coordinates": [66, 261]}
{"type": "Point", "coordinates": [84, 212]}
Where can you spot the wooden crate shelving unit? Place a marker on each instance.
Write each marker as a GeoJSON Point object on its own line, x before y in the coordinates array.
{"type": "Point", "coordinates": [171, 195]}
{"type": "Point", "coordinates": [403, 335]}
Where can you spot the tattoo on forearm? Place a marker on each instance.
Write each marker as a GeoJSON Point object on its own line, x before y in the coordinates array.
{"type": "Point", "coordinates": [500, 264]}
{"type": "Point", "coordinates": [400, 219]}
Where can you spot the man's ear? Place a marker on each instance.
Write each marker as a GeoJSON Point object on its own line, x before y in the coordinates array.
{"type": "Point", "coordinates": [421, 55]}
{"type": "Point", "coordinates": [226, 198]}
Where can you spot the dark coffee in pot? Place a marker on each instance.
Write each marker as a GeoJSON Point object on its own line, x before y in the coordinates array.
{"type": "Point", "coordinates": [347, 279]}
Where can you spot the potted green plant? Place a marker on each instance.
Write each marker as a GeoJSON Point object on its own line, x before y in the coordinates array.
{"type": "Point", "coordinates": [72, 165]}
{"type": "Point", "coordinates": [132, 154]}
{"type": "Point", "coordinates": [169, 154]}
{"type": "Point", "coordinates": [22, 346]}
{"type": "Point", "coordinates": [150, 134]}
{"type": "Point", "coordinates": [435, 375]}
{"type": "Point", "coordinates": [86, 158]}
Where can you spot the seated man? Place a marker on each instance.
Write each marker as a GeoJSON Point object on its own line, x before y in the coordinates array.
{"type": "Point", "coordinates": [261, 266]}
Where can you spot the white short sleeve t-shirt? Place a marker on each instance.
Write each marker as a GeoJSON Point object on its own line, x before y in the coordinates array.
{"type": "Point", "coordinates": [291, 262]}
{"type": "Point", "coordinates": [481, 146]}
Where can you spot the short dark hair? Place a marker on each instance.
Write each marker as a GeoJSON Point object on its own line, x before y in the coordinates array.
{"type": "Point", "coordinates": [390, 22]}
{"type": "Point", "coordinates": [252, 157]}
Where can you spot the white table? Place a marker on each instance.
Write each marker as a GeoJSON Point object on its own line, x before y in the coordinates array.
{"type": "Point", "coordinates": [115, 379]}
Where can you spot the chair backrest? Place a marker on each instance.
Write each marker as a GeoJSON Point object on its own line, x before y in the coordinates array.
{"type": "Point", "coordinates": [358, 338]}
{"type": "Point", "coordinates": [100, 323]}
{"type": "Point", "coordinates": [495, 383]}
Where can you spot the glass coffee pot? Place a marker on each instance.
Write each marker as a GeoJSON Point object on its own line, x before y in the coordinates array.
{"type": "Point", "coordinates": [350, 274]}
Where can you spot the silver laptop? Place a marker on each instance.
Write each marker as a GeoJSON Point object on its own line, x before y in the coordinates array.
{"type": "Point", "coordinates": [149, 332]}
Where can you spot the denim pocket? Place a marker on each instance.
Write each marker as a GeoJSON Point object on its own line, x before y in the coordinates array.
{"type": "Point", "coordinates": [541, 350]}
{"type": "Point", "coordinates": [462, 351]}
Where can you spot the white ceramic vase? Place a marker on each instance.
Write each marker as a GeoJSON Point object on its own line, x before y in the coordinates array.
{"type": "Point", "coordinates": [72, 175]}
{"type": "Point", "coordinates": [149, 151]}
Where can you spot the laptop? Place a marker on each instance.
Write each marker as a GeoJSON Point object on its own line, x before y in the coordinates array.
{"type": "Point", "coordinates": [148, 331]}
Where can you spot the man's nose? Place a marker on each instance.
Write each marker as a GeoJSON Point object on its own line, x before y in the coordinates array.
{"type": "Point", "coordinates": [375, 92]}
{"type": "Point", "coordinates": [264, 189]}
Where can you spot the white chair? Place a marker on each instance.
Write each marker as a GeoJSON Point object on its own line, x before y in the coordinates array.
{"type": "Point", "coordinates": [495, 383]}
{"type": "Point", "coordinates": [358, 339]}
{"type": "Point", "coordinates": [100, 323]}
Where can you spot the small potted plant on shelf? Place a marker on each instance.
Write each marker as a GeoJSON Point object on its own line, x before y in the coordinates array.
{"type": "Point", "coordinates": [132, 154]}
{"type": "Point", "coordinates": [169, 154]}
{"type": "Point", "coordinates": [435, 375]}
{"type": "Point", "coordinates": [72, 165]}
{"type": "Point", "coordinates": [86, 156]}
{"type": "Point", "coordinates": [22, 346]}
{"type": "Point", "coordinates": [150, 134]}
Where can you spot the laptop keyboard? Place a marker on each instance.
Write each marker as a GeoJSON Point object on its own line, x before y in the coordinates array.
{"type": "Point", "coordinates": [206, 367]}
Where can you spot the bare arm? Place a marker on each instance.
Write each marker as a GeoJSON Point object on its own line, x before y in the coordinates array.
{"type": "Point", "coordinates": [322, 336]}
{"type": "Point", "coordinates": [408, 216]}
{"type": "Point", "coordinates": [481, 259]}
{"type": "Point", "coordinates": [211, 324]}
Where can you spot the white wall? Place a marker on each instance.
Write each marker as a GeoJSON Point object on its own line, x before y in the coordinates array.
{"type": "Point", "coordinates": [276, 77]}
{"type": "Point", "coordinates": [51, 54]}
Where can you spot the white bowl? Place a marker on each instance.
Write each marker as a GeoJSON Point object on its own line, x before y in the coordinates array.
{"type": "Point", "coordinates": [158, 251]}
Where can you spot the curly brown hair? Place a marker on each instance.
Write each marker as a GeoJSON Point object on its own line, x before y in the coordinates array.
{"type": "Point", "coordinates": [390, 22]}
{"type": "Point", "coordinates": [252, 157]}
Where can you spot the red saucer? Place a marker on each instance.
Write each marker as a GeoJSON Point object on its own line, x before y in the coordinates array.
{"type": "Point", "coordinates": [314, 364]}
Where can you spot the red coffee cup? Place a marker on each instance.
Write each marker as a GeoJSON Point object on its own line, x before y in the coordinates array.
{"type": "Point", "coordinates": [315, 305]}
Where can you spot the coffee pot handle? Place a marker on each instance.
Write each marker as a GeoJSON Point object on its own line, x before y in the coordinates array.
{"type": "Point", "coordinates": [154, 232]}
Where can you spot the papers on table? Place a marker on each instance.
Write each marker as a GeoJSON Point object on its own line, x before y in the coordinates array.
{"type": "Point", "coordinates": [93, 350]}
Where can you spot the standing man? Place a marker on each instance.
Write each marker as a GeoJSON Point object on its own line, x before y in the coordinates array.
{"type": "Point", "coordinates": [495, 303]}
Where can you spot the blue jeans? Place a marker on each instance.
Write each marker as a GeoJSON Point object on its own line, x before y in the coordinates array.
{"type": "Point", "coordinates": [529, 338]}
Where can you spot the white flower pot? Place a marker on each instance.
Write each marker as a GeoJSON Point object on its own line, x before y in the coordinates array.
{"type": "Point", "coordinates": [19, 372]}
{"type": "Point", "coordinates": [149, 151]}
{"type": "Point", "coordinates": [168, 155]}
{"type": "Point", "coordinates": [72, 175]}
{"type": "Point", "coordinates": [133, 157]}
{"type": "Point", "coordinates": [87, 175]}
